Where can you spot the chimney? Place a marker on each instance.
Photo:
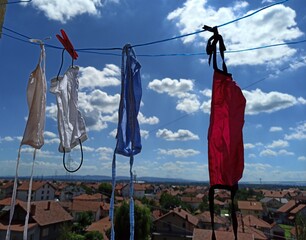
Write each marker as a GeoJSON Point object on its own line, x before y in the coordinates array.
{"type": "Point", "coordinates": [33, 209]}
{"type": "Point", "coordinates": [48, 206]}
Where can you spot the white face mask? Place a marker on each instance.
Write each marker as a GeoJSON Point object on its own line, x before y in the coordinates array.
{"type": "Point", "coordinates": [36, 97]}
{"type": "Point", "coordinates": [71, 125]}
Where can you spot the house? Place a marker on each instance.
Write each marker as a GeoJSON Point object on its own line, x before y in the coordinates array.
{"type": "Point", "coordinates": [98, 197]}
{"type": "Point", "coordinates": [192, 201]}
{"type": "Point", "coordinates": [6, 189]}
{"type": "Point", "coordinates": [68, 192]}
{"type": "Point", "coordinates": [201, 234]}
{"type": "Point", "coordinates": [271, 204]}
{"type": "Point", "coordinates": [139, 190]}
{"type": "Point", "coordinates": [177, 224]}
{"type": "Point", "coordinates": [281, 196]}
{"type": "Point", "coordinates": [250, 208]}
{"type": "Point", "coordinates": [41, 190]}
{"type": "Point", "coordinates": [45, 221]}
{"type": "Point", "coordinates": [78, 207]}
{"type": "Point", "coordinates": [100, 226]}
{"type": "Point", "coordinates": [205, 221]}
{"type": "Point", "coordinates": [255, 222]}
{"type": "Point", "coordinates": [284, 212]}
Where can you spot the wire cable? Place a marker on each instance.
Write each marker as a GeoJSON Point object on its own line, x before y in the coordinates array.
{"type": "Point", "coordinates": [14, 2]}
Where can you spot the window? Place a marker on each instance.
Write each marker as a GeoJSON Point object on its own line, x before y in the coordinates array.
{"type": "Point", "coordinates": [45, 232]}
{"type": "Point", "coordinates": [184, 225]}
{"type": "Point", "coordinates": [42, 198]}
{"type": "Point", "coordinates": [42, 192]}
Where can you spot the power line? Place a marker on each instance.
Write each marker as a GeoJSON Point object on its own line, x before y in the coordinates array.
{"type": "Point", "coordinates": [158, 41]}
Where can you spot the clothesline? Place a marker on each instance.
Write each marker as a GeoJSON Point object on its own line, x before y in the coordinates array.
{"type": "Point", "coordinates": [95, 50]}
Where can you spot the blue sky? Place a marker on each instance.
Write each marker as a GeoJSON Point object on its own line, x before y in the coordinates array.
{"type": "Point", "coordinates": [175, 106]}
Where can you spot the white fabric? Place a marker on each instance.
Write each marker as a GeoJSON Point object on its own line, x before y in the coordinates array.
{"type": "Point", "coordinates": [71, 125]}
{"type": "Point", "coordinates": [36, 97]}
{"type": "Point", "coordinates": [34, 132]}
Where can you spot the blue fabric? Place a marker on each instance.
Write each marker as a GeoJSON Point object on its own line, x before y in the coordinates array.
{"type": "Point", "coordinates": [128, 131]}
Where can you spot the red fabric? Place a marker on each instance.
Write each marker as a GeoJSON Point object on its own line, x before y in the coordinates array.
{"type": "Point", "coordinates": [225, 139]}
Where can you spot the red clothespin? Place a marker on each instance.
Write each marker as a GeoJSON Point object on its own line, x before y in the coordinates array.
{"type": "Point", "coordinates": [67, 44]}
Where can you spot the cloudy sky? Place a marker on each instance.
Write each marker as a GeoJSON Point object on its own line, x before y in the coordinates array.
{"type": "Point", "coordinates": [174, 114]}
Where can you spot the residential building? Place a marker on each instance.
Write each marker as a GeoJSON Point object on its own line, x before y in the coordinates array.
{"type": "Point", "coordinates": [100, 226]}
{"type": "Point", "coordinates": [250, 208]}
{"type": "Point", "coordinates": [177, 224]}
{"type": "Point", "coordinates": [45, 221]}
{"type": "Point", "coordinates": [41, 190]}
{"type": "Point", "coordinates": [139, 190]}
{"type": "Point", "coordinates": [192, 201]}
{"type": "Point", "coordinates": [219, 222]}
{"type": "Point", "coordinates": [201, 234]}
{"type": "Point", "coordinates": [6, 189]}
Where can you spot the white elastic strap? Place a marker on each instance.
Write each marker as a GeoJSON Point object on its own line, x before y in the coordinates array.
{"type": "Point", "coordinates": [13, 200]}
{"type": "Point", "coordinates": [26, 223]}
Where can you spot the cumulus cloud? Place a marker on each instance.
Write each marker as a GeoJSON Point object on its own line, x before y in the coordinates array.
{"type": "Point", "coordinates": [178, 152]}
{"type": "Point", "coordinates": [105, 153]}
{"type": "Point", "coordinates": [182, 89]}
{"type": "Point", "coordinates": [268, 153]}
{"type": "Point", "coordinates": [6, 139]}
{"type": "Point", "coordinates": [49, 134]}
{"type": "Point", "coordinates": [147, 120]}
{"type": "Point", "coordinates": [275, 129]}
{"type": "Point", "coordinates": [180, 135]}
{"type": "Point", "coordinates": [64, 11]}
{"type": "Point", "coordinates": [91, 77]}
{"type": "Point", "coordinates": [302, 158]}
{"type": "Point", "coordinates": [249, 146]}
{"type": "Point", "coordinates": [298, 133]}
{"type": "Point", "coordinates": [259, 101]}
{"type": "Point", "coordinates": [277, 22]}
{"type": "Point", "coordinates": [278, 144]}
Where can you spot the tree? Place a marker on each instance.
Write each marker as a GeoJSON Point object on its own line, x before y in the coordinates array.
{"type": "Point", "coordinates": [168, 201]}
{"type": "Point", "coordinates": [83, 221]}
{"type": "Point", "coordinates": [105, 188]}
{"type": "Point", "coordinates": [142, 223]}
{"type": "Point", "coordinates": [300, 227]}
{"type": "Point", "coordinates": [95, 235]}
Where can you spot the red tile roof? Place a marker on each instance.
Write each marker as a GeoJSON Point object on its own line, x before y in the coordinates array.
{"type": "Point", "coordinates": [205, 217]}
{"type": "Point", "coordinates": [252, 221]}
{"type": "Point", "coordinates": [101, 226]}
{"type": "Point", "coordinates": [16, 227]}
{"type": "Point", "coordinates": [35, 185]}
{"type": "Point", "coordinates": [84, 206]}
{"type": "Point", "coordinates": [287, 207]}
{"type": "Point", "coordinates": [201, 234]}
{"type": "Point", "coordinates": [183, 214]}
{"type": "Point", "coordinates": [298, 208]}
{"type": "Point", "coordinates": [250, 205]}
{"type": "Point", "coordinates": [86, 197]}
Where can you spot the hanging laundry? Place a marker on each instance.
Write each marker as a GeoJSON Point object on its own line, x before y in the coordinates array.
{"type": "Point", "coordinates": [128, 131]}
{"type": "Point", "coordinates": [71, 125]}
{"type": "Point", "coordinates": [2, 14]}
{"type": "Point", "coordinates": [225, 138]}
{"type": "Point", "coordinates": [34, 131]}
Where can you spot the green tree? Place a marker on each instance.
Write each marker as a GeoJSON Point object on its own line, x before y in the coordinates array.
{"type": "Point", "coordinates": [83, 221]}
{"type": "Point", "coordinates": [105, 188]}
{"type": "Point", "coordinates": [142, 223]}
{"type": "Point", "coordinates": [168, 201]}
{"type": "Point", "coordinates": [300, 227]}
{"type": "Point", "coordinates": [95, 235]}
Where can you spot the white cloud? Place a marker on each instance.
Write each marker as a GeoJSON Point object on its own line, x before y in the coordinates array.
{"type": "Point", "coordinates": [275, 129]}
{"type": "Point", "coordinates": [91, 77]}
{"type": "Point", "coordinates": [173, 87]}
{"type": "Point", "coordinates": [268, 153]}
{"type": "Point", "coordinates": [302, 158]}
{"type": "Point", "coordinates": [252, 155]}
{"type": "Point", "coordinates": [284, 152]}
{"type": "Point", "coordinates": [277, 22]}
{"type": "Point", "coordinates": [49, 134]}
{"type": "Point", "coordinates": [147, 120]}
{"type": "Point", "coordinates": [178, 152]}
{"type": "Point", "coordinates": [182, 89]}
{"type": "Point", "coordinates": [249, 146]}
{"type": "Point", "coordinates": [296, 64]}
{"type": "Point", "coordinates": [144, 134]}
{"type": "Point", "coordinates": [278, 144]}
{"type": "Point", "coordinates": [189, 104]}
{"type": "Point", "coordinates": [298, 133]}
{"type": "Point", "coordinates": [64, 11]}
{"type": "Point", "coordinates": [7, 139]}
{"type": "Point", "coordinates": [180, 135]}
{"type": "Point", "coordinates": [113, 133]}
{"type": "Point", "coordinates": [105, 153]}
{"type": "Point", "coordinates": [259, 101]}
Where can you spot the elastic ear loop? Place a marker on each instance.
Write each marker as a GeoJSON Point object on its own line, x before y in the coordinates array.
{"type": "Point", "coordinates": [62, 62]}
{"type": "Point", "coordinates": [81, 163]}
